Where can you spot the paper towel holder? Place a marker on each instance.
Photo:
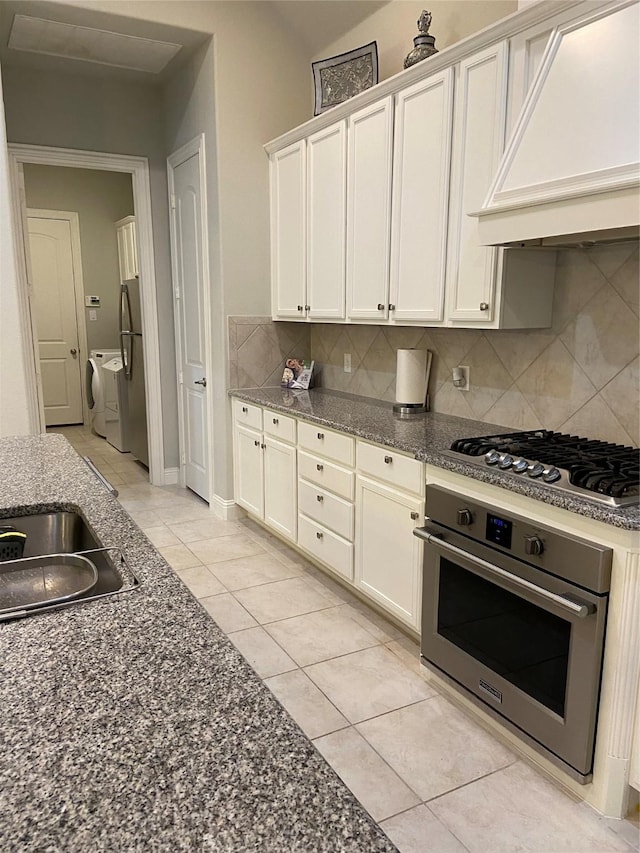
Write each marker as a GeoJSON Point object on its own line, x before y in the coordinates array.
{"type": "Point", "coordinates": [406, 409]}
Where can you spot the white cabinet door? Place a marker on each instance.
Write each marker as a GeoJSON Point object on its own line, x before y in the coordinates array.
{"type": "Point", "coordinates": [327, 175]}
{"type": "Point", "coordinates": [249, 470]}
{"type": "Point", "coordinates": [478, 139]}
{"type": "Point", "coordinates": [288, 232]}
{"type": "Point", "coordinates": [369, 211]}
{"type": "Point", "coordinates": [421, 161]}
{"type": "Point", "coordinates": [127, 247]}
{"type": "Point", "coordinates": [280, 487]}
{"type": "Point", "coordinates": [388, 555]}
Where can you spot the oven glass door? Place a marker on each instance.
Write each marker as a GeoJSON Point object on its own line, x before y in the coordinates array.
{"type": "Point", "coordinates": [518, 640]}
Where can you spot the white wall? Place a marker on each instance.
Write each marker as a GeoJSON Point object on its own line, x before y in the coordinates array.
{"type": "Point", "coordinates": [100, 199]}
{"type": "Point", "coordinates": [395, 24]}
{"type": "Point", "coordinates": [14, 360]}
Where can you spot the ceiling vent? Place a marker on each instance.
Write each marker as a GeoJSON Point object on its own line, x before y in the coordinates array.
{"type": "Point", "coordinates": [37, 35]}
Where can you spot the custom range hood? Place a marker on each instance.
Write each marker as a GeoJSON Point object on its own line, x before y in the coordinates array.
{"type": "Point", "coordinates": [570, 172]}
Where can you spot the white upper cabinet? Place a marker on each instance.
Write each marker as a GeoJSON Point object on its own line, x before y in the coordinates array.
{"type": "Point", "coordinates": [369, 211]}
{"type": "Point", "coordinates": [421, 162]}
{"type": "Point", "coordinates": [288, 232]}
{"type": "Point", "coordinates": [478, 138]}
{"type": "Point", "coordinates": [127, 247]}
{"type": "Point", "coordinates": [327, 178]}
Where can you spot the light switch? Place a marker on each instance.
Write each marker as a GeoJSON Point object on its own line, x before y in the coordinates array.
{"type": "Point", "coordinates": [92, 301]}
{"type": "Point", "coordinates": [93, 315]}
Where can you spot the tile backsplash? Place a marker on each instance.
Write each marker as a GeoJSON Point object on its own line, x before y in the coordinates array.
{"type": "Point", "coordinates": [579, 376]}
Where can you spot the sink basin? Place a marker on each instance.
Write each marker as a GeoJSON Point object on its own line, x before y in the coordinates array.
{"type": "Point", "coordinates": [56, 533]}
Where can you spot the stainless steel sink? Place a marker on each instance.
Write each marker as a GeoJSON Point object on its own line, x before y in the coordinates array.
{"type": "Point", "coordinates": [58, 533]}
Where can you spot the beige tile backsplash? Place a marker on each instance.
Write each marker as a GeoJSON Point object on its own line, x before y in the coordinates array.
{"type": "Point", "coordinates": [580, 376]}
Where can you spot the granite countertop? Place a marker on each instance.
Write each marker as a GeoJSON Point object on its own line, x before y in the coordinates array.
{"type": "Point", "coordinates": [132, 723]}
{"type": "Point", "coordinates": [425, 437]}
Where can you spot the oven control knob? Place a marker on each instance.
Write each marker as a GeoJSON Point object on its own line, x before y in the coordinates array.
{"type": "Point", "coordinates": [533, 545]}
{"type": "Point", "coordinates": [491, 457]}
{"type": "Point", "coordinates": [520, 466]}
{"type": "Point", "coordinates": [505, 461]}
{"type": "Point", "coordinates": [535, 469]}
{"type": "Point", "coordinates": [551, 474]}
{"type": "Point", "coordinates": [464, 517]}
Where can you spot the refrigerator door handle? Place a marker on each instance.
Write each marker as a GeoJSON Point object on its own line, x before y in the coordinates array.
{"type": "Point", "coordinates": [125, 309]}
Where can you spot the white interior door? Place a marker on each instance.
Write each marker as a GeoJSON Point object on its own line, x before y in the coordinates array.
{"type": "Point", "coordinates": [189, 269]}
{"type": "Point", "coordinates": [54, 283]}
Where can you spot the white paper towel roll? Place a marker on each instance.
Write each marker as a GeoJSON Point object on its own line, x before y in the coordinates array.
{"type": "Point", "coordinates": [411, 376]}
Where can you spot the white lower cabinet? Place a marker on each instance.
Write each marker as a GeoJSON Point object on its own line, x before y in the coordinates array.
{"type": "Point", "coordinates": [351, 506]}
{"type": "Point", "coordinates": [265, 474]}
{"type": "Point", "coordinates": [388, 555]}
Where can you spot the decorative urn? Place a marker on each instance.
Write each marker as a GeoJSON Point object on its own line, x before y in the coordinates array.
{"type": "Point", "coordinates": [424, 44]}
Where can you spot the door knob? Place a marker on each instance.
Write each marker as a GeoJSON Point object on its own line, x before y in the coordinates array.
{"type": "Point", "coordinates": [73, 351]}
{"type": "Point", "coordinates": [202, 382]}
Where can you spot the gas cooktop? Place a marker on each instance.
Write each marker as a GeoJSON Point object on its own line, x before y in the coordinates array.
{"type": "Point", "coordinates": [607, 473]}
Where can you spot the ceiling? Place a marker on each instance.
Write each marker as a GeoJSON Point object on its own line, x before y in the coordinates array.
{"type": "Point", "coordinates": [314, 24]}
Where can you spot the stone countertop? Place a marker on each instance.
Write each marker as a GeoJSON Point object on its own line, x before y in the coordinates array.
{"type": "Point", "coordinates": [132, 723]}
{"type": "Point", "coordinates": [425, 437]}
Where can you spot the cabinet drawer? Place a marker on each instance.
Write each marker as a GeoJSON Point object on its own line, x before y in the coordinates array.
{"type": "Point", "coordinates": [392, 467]}
{"type": "Point", "coordinates": [331, 445]}
{"type": "Point", "coordinates": [327, 509]}
{"type": "Point", "coordinates": [245, 413]}
{"type": "Point", "coordinates": [326, 474]}
{"type": "Point", "coordinates": [279, 426]}
{"type": "Point", "coordinates": [326, 546]}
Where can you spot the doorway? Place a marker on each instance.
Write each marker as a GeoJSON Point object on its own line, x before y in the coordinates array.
{"type": "Point", "coordinates": [137, 169]}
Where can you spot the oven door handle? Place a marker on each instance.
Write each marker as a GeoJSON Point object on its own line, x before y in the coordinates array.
{"type": "Point", "coordinates": [577, 608]}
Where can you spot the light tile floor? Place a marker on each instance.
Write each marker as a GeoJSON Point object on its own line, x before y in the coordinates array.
{"type": "Point", "coordinates": [432, 777]}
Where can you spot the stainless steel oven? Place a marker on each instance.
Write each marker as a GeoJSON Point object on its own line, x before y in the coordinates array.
{"type": "Point", "coordinates": [514, 612]}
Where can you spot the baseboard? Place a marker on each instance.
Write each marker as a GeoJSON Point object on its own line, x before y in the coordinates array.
{"type": "Point", "coordinates": [171, 476]}
{"type": "Point", "coordinates": [228, 510]}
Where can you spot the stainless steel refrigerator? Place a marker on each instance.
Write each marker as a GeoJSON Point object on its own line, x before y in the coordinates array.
{"type": "Point", "coordinates": [131, 347]}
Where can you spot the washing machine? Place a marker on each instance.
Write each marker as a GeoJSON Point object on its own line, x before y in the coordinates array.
{"type": "Point", "coordinates": [95, 387]}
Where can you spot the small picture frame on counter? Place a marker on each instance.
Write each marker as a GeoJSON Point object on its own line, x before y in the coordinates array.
{"type": "Point", "coordinates": [297, 374]}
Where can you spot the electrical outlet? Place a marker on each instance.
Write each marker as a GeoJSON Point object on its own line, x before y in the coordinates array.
{"type": "Point", "coordinates": [461, 377]}
{"type": "Point", "coordinates": [347, 362]}
{"type": "Point", "coordinates": [93, 315]}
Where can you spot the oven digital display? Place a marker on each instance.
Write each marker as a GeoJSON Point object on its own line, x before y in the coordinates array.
{"type": "Point", "coordinates": [499, 531]}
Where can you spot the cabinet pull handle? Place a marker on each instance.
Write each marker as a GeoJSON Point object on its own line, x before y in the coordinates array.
{"type": "Point", "coordinates": [276, 421]}
{"type": "Point", "coordinates": [484, 306]}
{"type": "Point", "coordinates": [380, 306]}
{"type": "Point", "coordinates": [320, 435]}
{"type": "Point", "coordinates": [392, 307]}
{"type": "Point", "coordinates": [319, 467]}
{"type": "Point", "coordinates": [257, 443]}
{"type": "Point", "coordinates": [414, 516]}
{"type": "Point", "coordinates": [319, 498]}
{"type": "Point", "coordinates": [245, 410]}
{"type": "Point", "coordinates": [319, 535]}
{"type": "Point", "coordinates": [388, 460]}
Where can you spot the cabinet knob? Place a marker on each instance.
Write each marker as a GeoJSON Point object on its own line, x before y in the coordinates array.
{"type": "Point", "coordinates": [380, 306]}
{"type": "Point", "coordinates": [484, 306]}
{"type": "Point", "coordinates": [319, 535]}
{"type": "Point", "coordinates": [415, 516]}
{"type": "Point", "coordinates": [300, 307]}
{"type": "Point", "coordinates": [392, 307]}
{"type": "Point", "coordinates": [319, 498]}
{"type": "Point", "coordinates": [245, 410]}
{"type": "Point", "coordinates": [263, 446]}
{"type": "Point", "coordinates": [276, 421]}
{"type": "Point", "coordinates": [257, 443]}
{"type": "Point", "coordinates": [388, 460]}
{"type": "Point", "coordinates": [319, 467]}
{"type": "Point", "coordinates": [307, 307]}
{"type": "Point", "coordinates": [320, 435]}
